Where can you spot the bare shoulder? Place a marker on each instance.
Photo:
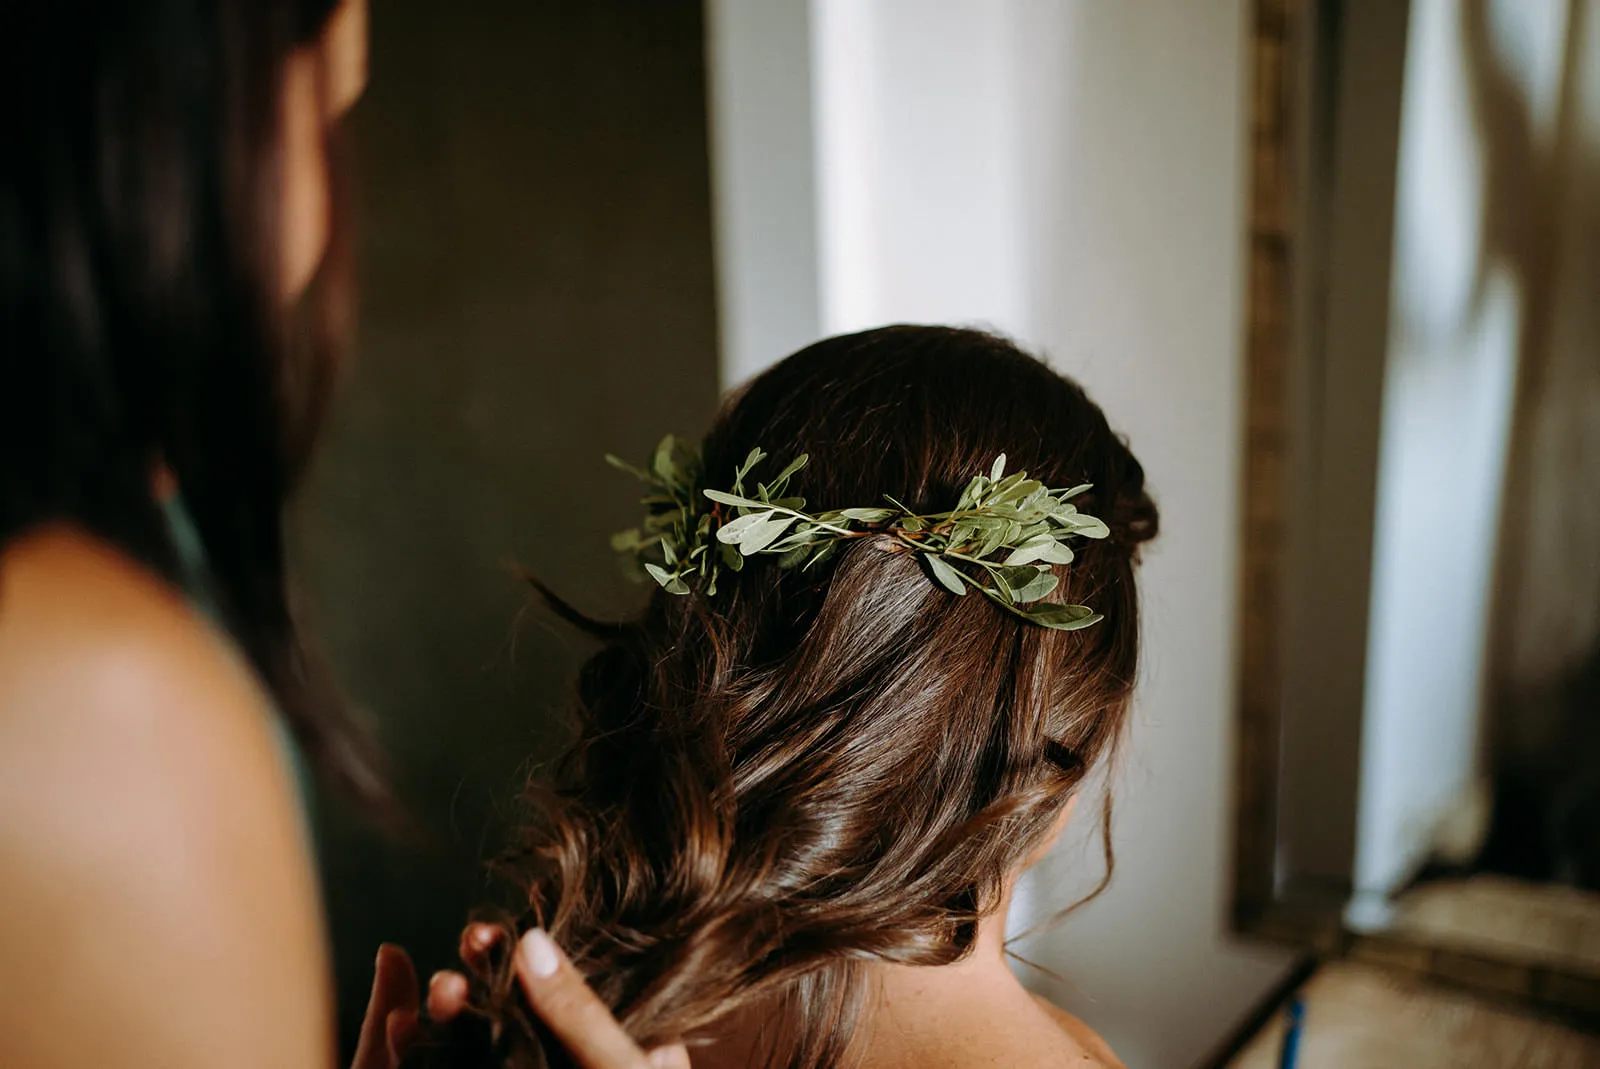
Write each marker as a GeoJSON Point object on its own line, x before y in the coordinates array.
{"type": "Point", "coordinates": [68, 599]}
{"type": "Point", "coordinates": [98, 656]}
{"type": "Point", "coordinates": [931, 1021]}
{"type": "Point", "coordinates": [1081, 1034]}
{"type": "Point", "coordinates": [148, 826]}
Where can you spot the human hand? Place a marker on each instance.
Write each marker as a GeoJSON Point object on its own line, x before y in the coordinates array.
{"type": "Point", "coordinates": [560, 996]}
{"type": "Point", "coordinates": [391, 1025]}
{"type": "Point", "coordinates": [447, 989]}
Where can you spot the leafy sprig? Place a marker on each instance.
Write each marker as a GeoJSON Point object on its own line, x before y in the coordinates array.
{"type": "Point", "coordinates": [1002, 539]}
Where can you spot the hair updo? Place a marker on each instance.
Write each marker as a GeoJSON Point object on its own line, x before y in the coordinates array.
{"type": "Point", "coordinates": [811, 770]}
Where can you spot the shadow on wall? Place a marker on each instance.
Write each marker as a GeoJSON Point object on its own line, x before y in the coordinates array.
{"type": "Point", "coordinates": [537, 291]}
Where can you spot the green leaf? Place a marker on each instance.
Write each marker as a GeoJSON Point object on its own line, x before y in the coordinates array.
{"type": "Point", "coordinates": [794, 465]}
{"type": "Point", "coordinates": [1057, 553]}
{"type": "Point", "coordinates": [734, 530]}
{"type": "Point", "coordinates": [1034, 549]}
{"type": "Point", "coordinates": [755, 457]}
{"type": "Point", "coordinates": [999, 468]}
{"type": "Point", "coordinates": [794, 557]}
{"type": "Point", "coordinates": [722, 498]}
{"type": "Point", "coordinates": [668, 580]}
{"type": "Point", "coordinates": [1018, 491]}
{"type": "Point", "coordinates": [1033, 530]}
{"type": "Point", "coordinates": [802, 535]}
{"type": "Point", "coordinates": [962, 533]}
{"type": "Point", "coordinates": [912, 524]}
{"type": "Point", "coordinates": [1016, 577]}
{"type": "Point", "coordinates": [1041, 585]}
{"type": "Point", "coordinates": [731, 556]}
{"type": "Point", "coordinates": [823, 552]}
{"type": "Point", "coordinates": [623, 465]}
{"type": "Point", "coordinates": [1089, 527]}
{"type": "Point", "coordinates": [1068, 495]}
{"type": "Point", "coordinates": [1060, 617]}
{"type": "Point", "coordinates": [761, 535]}
{"type": "Point", "coordinates": [664, 466]}
{"type": "Point", "coordinates": [626, 541]}
{"type": "Point", "coordinates": [867, 515]}
{"type": "Point", "coordinates": [1001, 591]}
{"type": "Point", "coordinates": [946, 575]}
{"type": "Point", "coordinates": [971, 495]}
{"type": "Point", "coordinates": [1004, 486]}
{"type": "Point", "coordinates": [996, 534]}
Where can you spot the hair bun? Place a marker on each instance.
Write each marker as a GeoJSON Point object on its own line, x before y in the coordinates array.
{"type": "Point", "coordinates": [1134, 519]}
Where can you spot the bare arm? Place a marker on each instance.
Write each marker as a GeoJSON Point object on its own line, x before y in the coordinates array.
{"type": "Point", "coordinates": [158, 906]}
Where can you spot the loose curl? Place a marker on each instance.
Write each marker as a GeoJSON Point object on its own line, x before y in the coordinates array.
{"type": "Point", "coordinates": [811, 771]}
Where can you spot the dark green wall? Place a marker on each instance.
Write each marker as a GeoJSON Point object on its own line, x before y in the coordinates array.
{"type": "Point", "coordinates": [535, 252]}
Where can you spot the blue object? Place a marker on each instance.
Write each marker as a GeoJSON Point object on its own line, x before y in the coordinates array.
{"type": "Point", "coordinates": [1296, 1011]}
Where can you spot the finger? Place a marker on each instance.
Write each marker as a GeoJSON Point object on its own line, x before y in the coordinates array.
{"type": "Point", "coordinates": [476, 942]}
{"type": "Point", "coordinates": [561, 998]}
{"type": "Point", "coordinates": [402, 1029]}
{"type": "Point", "coordinates": [447, 996]}
{"type": "Point", "coordinates": [394, 987]}
{"type": "Point", "coordinates": [397, 978]}
{"type": "Point", "coordinates": [673, 1057]}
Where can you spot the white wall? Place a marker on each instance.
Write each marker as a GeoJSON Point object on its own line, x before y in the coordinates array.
{"type": "Point", "coordinates": [919, 162]}
{"type": "Point", "coordinates": [1072, 172]}
{"type": "Point", "coordinates": [1136, 184]}
{"type": "Point", "coordinates": [764, 201]}
{"type": "Point", "coordinates": [1448, 394]}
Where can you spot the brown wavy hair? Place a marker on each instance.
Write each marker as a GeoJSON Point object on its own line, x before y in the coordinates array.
{"type": "Point", "coordinates": [811, 771]}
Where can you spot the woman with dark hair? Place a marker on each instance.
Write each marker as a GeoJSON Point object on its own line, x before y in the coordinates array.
{"type": "Point", "coordinates": [166, 207]}
{"type": "Point", "coordinates": [864, 700]}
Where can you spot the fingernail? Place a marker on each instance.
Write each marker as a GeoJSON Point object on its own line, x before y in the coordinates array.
{"type": "Point", "coordinates": [664, 1058]}
{"type": "Point", "coordinates": [540, 953]}
{"type": "Point", "coordinates": [436, 978]}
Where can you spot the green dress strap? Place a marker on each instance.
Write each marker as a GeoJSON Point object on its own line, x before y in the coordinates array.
{"type": "Point", "coordinates": [199, 585]}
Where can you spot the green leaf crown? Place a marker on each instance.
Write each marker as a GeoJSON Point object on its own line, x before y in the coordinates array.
{"type": "Point", "coordinates": [1007, 530]}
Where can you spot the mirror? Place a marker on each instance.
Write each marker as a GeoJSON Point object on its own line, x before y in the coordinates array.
{"type": "Point", "coordinates": [1419, 705]}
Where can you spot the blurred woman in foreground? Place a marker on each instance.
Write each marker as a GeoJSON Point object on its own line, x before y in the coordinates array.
{"type": "Point", "coordinates": [172, 299]}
